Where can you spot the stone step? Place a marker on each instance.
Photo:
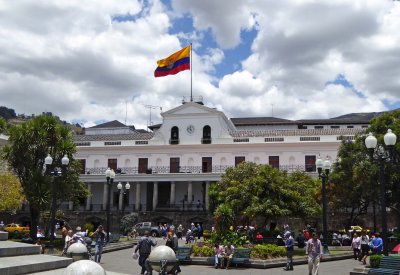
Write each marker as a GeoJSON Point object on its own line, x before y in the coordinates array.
{"type": "Point", "coordinates": [8, 249]}
{"type": "Point", "coordinates": [32, 263]}
{"type": "Point", "coordinates": [3, 236]}
{"type": "Point", "coordinates": [61, 270]}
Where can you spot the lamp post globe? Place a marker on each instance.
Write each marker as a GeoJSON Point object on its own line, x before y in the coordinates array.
{"type": "Point", "coordinates": [371, 141]}
{"type": "Point", "coordinates": [390, 138]}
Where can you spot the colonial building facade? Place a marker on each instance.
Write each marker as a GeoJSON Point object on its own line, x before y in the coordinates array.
{"type": "Point", "coordinates": [170, 169]}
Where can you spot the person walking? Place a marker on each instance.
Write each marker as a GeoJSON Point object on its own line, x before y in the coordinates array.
{"type": "Point", "coordinates": [364, 247]}
{"type": "Point", "coordinates": [179, 231]}
{"type": "Point", "coordinates": [172, 242]}
{"type": "Point", "coordinates": [144, 248]}
{"type": "Point", "coordinates": [314, 252]}
{"type": "Point", "coordinates": [356, 245]}
{"type": "Point", "coordinates": [289, 245]}
{"type": "Point", "coordinates": [100, 240]}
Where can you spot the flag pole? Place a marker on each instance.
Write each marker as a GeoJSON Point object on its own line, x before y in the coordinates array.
{"type": "Point", "coordinates": [191, 74]}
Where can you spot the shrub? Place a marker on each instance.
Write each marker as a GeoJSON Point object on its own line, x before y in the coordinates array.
{"type": "Point", "coordinates": [375, 260]}
{"type": "Point", "coordinates": [266, 251]}
{"type": "Point", "coordinates": [228, 236]}
{"type": "Point", "coordinates": [202, 251]}
{"type": "Point", "coordinates": [89, 227]}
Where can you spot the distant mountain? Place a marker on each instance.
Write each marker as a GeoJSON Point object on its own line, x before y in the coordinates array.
{"type": "Point", "coordinates": [359, 116]}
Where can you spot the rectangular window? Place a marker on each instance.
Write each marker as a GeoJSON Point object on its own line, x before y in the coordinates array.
{"type": "Point", "coordinates": [310, 163]}
{"type": "Point", "coordinates": [350, 126]}
{"type": "Point", "coordinates": [274, 139]}
{"type": "Point", "coordinates": [111, 143]}
{"type": "Point", "coordinates": [319, 127]}
{"type": "Point", "coordinates": [112, 163]}
{"type": "Point", "coordinates": [274, 161]}
{"type": "Point", "coordinates": [143, 165]}
{"type": "Point", "coordinates": [174, 165]}
{"type": "Point", "coordinates": [82, 163]}
{"type": "Point", "coordinates": [310, 138]}
{"type": "Point", "coordinates": [239, 160]}
{"type": "Point", "coordinates": [82, 143]}
{"type": "Point", "coordinates": [335, 127]}
{"type": "Point", "coordinates": [206, 164]}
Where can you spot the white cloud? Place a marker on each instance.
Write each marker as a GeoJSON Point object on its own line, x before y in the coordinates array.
{"type": "Point", "coordinates": [74, 60]}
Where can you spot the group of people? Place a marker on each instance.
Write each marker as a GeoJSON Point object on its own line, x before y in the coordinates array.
{"type": "Point", "coordinates": [363, 244]}
{"type": "Point", "coordinates": [79, 237]}
{"type": "Point", "coordinates": [144, 249]}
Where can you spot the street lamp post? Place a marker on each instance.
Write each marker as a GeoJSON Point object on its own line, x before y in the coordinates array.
{"type": "Point", "coordinates": [122, 193]}
{"type": "Point", "coordinates": [371, 144]}
{"type": "Point", "coordinates": [324, 168]}
{"type": "Point", "coordinates": [110, 175]}
{"type": "Point", "coordinates": [56, 172]}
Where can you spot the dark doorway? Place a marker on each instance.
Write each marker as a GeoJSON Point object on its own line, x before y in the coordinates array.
{"type": "Point", "coordinates": [149, 196]}
{"type": "Point", "coordinates": [164, 191]}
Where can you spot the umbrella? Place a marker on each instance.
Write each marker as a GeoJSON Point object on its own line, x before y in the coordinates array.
{"type": "Point", "coordinates": [396, 248]}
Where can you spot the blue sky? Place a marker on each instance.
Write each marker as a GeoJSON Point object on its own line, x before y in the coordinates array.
{"type": "Point", "coordinates": [95, 63]}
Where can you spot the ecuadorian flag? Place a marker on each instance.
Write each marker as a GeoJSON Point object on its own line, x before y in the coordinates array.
{"type": "Point", "coordinates": [173, 64]}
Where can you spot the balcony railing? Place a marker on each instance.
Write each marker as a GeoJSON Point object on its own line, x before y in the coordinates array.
{"type": "Point", "coordinates": [188, 169]}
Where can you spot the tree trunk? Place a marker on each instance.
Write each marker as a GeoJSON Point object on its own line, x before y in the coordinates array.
{"type": "Point", "coordinates": [35, 214]}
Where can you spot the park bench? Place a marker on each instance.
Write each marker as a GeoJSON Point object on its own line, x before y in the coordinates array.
{"type": "Point", "coordinates": [115, 238]}
{"type": "Point", "coordinates": [241, 256]}
{"type": "Point", "coordinates": [388, 265]}
{"type": "Point", "coordinates": [183, 254]}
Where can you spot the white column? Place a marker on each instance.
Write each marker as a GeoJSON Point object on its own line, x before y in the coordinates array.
{"type": "Point", "coordinates": [121, 196]}
{"type": "Point", "coordinates": [105, 191]}
{"type": "Point", "coordinates": [190, 192]}
{"type": "Point", "coordinates": [137, 199]}
{"type": "Point", "coordinates": [70, 205]}
{"type": "Point", "coordinates": [207, 198]}
{"type": "Point", "coordinates": [155, 195]}
{"type": "Point", "coordinates": [172, 194]}
{"type": "Point", "coordinates": [89, 198]}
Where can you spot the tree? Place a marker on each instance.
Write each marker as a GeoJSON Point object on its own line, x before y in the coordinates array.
{"type": "Point", "coordinates": [3, 125]}
{"type": "Point", "coordinates": [354, 181]}
{"type": "Point", "coordinates": [29, 144]}
{"type": "Point", "coordinates": [250, 190]}
{"type": "Point", "coordinates": [11, 196]}
{"type": "Point", "coordinates": [7, 113]}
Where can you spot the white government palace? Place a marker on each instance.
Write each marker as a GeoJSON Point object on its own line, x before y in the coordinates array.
{"type": "Point", "coordinates": [169, 169]}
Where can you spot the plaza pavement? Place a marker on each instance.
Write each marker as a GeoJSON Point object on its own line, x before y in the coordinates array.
{"type": "Point", "coordinates": [121, 261]}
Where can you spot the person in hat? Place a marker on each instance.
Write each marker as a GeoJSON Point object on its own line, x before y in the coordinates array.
{"type": "Point", "coordinates": [78, 236]}
{"type": "Point", "coordinates": [289, 245]}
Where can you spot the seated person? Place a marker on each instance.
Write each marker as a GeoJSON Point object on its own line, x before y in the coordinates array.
{"type": "Point", "coordinates": [229, 249]}
{"type": "Point", "coordinates": [218, 254]}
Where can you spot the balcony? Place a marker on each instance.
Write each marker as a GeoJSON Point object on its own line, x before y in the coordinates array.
{"type": "Point", "coordinates": [151, 170]}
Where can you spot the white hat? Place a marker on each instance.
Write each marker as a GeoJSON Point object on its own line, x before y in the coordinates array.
{"type": "Point", "coordinates": [78, 228]}
{"type": "Point", "coordinates": [192, 224]}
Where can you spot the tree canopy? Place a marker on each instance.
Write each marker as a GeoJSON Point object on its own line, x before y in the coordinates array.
{"type": "Point", "coordinates": [354, 180]}
{"type": "Point", "coordinates": [250, 190]}
{"type": "Point", "coordinates": [29, 144]}
{"type": "Point", "coordinates": [11, 196]}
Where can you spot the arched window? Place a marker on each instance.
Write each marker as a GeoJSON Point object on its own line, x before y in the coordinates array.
{"type": "Point", "coordinates": [174, 135]}
{"type": "Point", "coordinates": [206, 135]}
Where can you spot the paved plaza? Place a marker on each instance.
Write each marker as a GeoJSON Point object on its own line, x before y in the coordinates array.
{"type": "Point", "coordinates": [121, 261]}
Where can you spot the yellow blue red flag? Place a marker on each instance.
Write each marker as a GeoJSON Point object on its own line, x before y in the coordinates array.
{"type": "Point", "coordinates": [173, 64]}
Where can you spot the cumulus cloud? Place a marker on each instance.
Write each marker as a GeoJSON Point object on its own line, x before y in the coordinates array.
{"type": "Point", "coordinates": [95, 62]}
